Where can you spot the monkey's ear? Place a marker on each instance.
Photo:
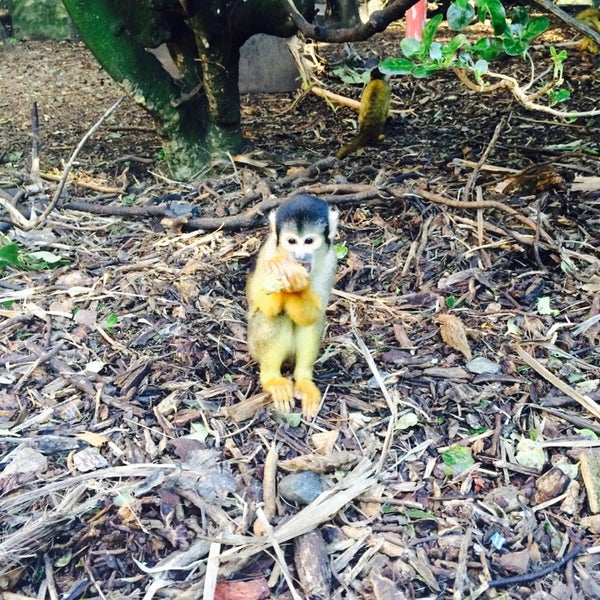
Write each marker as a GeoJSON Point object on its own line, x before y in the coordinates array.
{"type": "Point", "coordinates": [273, 220]}
{"type": "Point", "coordinates": [333, 222]}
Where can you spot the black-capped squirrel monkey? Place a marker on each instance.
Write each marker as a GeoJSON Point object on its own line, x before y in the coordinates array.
{"type": "Point", "coordinates": [288, 292]}
{"type": "Point", "coordinates": [373, 114]}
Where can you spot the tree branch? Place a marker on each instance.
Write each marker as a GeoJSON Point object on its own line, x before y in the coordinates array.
{"type": "Point", "coordinates": [377, 22]}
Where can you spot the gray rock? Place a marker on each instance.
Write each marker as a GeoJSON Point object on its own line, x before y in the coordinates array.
{"type": "Point", "coordinates": [301, 488]}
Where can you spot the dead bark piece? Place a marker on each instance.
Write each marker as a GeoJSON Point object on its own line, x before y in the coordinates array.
{"type": "Point", "coordinates": [313, 565]}
{"type": "Point", "coordinates": [420, 563]}
{"type": "Point", "coordinates": [247, 409]}
{"type": "Point", "coordinates": [515, 562]}
{"type": "Point", "coordinates": [380, 584]}
{"type": "Point", "coordinates": [590, 472]}
{"type": "Point", "coordinates": [534, 180]}
{"type": "Point", "coordinates": [255, 589]}
{"type": "Point", "coordinates": [551, 484]}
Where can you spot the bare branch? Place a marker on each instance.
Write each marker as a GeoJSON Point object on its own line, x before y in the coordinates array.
{"type": "Point", "coordinates": [377, 22]}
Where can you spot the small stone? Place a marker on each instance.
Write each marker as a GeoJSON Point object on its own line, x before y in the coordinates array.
{"type": "Point", "coordinates": [302, 487]}
{"type": "Point", "coordinates": [480, 364]}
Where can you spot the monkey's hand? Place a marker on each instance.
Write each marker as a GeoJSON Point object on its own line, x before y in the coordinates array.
{"type": "Point", "coordinates": [304, 308]}
{"type": "Point", "coordinates": [310, 396]}
{"type": "Point", "coordinates": [282, 393]}
{"type": "Point", "coordinates": [284, 274]}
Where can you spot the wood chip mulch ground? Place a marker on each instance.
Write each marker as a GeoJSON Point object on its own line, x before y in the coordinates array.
{"type": "Point", "coordinates": [457, 446]}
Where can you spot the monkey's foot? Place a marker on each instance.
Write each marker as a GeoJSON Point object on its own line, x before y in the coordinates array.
{"type": "Point", "coordinates": [310, 395]}
{"type": "Point", "coordinates": [282, 393]}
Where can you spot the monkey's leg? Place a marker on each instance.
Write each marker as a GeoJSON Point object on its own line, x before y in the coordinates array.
{"type": "Point", "coordinates": [308, 340]}
{"type": "Point", "coordinates": [271, 342]}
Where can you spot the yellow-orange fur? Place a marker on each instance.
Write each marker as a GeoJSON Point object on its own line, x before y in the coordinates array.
{"type": "Point", "coordinates": [591, 17]}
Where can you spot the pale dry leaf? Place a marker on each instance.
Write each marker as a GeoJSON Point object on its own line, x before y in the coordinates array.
{"type": "Point", "coordinates": [454, 334]}
{"type": "Point", "coordinates": [93, 439]}
{"type": "Point", "coordinates": [324, 442]}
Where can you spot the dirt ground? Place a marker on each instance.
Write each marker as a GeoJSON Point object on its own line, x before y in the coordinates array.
{"type": "Point", "coordinates": [128, 470]}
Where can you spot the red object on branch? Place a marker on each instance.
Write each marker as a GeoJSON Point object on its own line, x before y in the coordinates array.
{"type": "Point", "coordinates": [415, 17]}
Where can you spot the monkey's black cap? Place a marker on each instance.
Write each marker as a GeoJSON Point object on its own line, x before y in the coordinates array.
{"type": "Point", "coordinates": [303, 212]}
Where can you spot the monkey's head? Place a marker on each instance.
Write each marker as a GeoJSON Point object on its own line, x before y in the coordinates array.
{"type": "Point", "coordinates": [305, 227]}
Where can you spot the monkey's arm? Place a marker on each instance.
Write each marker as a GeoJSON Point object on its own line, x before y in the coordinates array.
{"type": "Point", "coordinates": [281, 284]}
{"type": "Point", "coordinates": [304, 308]}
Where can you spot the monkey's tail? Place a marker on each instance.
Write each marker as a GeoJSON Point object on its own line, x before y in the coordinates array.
{"type": "Point", "coordinates": [362, 139]}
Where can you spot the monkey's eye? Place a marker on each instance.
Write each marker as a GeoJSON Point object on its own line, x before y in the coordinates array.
{"type": "Point", "coordinates": [292, 241]}
{"type": "Point", "coordinates": [308, 241]}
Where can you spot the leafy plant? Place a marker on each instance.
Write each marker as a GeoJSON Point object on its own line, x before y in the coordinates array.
{"type": "Point", "coordinates": [112, 321]}
{"type": "Point", "coordinates": [512, 36]}
{"type": "Point", "coordinates": [12, 255]}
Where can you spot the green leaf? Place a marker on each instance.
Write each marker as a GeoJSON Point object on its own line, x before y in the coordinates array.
{"type": "Point", "coordinates": [514, 46]}
{"type": "Point", "coordinates": [9, 254]}
{"type": "Point", "coordinates": [480, 68]}
{"type": "Point", "coordinates": [422, 71]}
{"type": "Point", "coordinates": [198, 431]}
{"type": "Point", "coordinates": [459, 15]}
{"type": "Point", "coordinates": [396, 66]}
{"type": "Point", "coordinates": [341, 251]}
{"type": "Point", "coordinates": [410, 47]}
{"type": "Point", "coordinates": [456, 43]}
{"type": "Point", "coordinates": [556, 96]}
{"type": "Point", "coordinates": [519, 15]}
{"type": "Point", "coordinates": [429, 29]}
{"type": "Point", "coordinates": [457, 459]}
{"type": "Point", "coordinates": [535, 27]}
{"type": "Point", "coordinates": [488, 48]}
{"type": "Point", "coordinates": [42, 256]}
{"type": "Point", "coordinates": [435, 51]}
{"type": "Point", "coordinates": [496, 12]}
{"type": "Point", "coordinates": [351, 76]}
{"type": "Point", "coordinates": [543, 306]}
{"type": "Point", "coordinates": [111, 322]}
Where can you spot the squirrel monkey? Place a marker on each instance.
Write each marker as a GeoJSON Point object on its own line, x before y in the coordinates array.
{"type": "Point", "coordinates": [288, 292]}
{"type": "Point", "coordinates": [374, 109]}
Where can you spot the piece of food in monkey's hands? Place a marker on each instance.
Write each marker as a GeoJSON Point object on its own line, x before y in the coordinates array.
{"type": "Point", "coordinates": [285, 274]}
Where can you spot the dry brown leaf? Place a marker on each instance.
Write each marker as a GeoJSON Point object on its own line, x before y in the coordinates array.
{"type": "Point", "coordinates": [320, 464]}
{"type": "Point", "coordinates": [454, 334]}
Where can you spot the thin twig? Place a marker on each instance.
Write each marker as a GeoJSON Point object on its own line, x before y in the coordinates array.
{"type": "Point", "coordinates": [468, 189]}
{"type": "Point", "coordinates": [584, 401]}
{"type": "Point", "coordinates": [389, 436]}
{"type": "Point", "coordinates": [36, 222]}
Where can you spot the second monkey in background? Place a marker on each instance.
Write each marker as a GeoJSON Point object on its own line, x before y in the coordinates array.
{"type": "Point", "coordinates": [374, 109]}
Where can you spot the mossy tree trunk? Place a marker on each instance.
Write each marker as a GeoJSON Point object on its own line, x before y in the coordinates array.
{"type": "Point", "coordinates": [196, 111]}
